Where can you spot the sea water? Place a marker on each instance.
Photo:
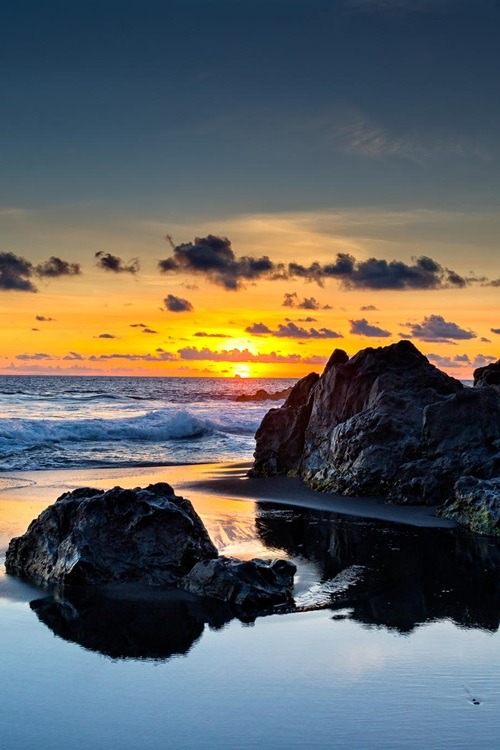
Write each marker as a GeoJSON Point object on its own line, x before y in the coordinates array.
{"type": "Point", "coordinates": [80, 422]}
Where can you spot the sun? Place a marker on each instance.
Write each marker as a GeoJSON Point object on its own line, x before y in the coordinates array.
{"type": "Point", "coordinates": [242, 371]}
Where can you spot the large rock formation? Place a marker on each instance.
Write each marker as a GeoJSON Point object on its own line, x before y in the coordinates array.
{"type": "Point", "coordinates": [150, 536]}
{"type": "Point", "coordinates": [384, 422]}
{"type": "Point", "coordinates": [489, 375]}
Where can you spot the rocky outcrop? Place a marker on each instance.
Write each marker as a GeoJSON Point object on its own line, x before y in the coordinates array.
{"type": "Point", "coordinates": [476, 505]}
{"type": "Point", "coordinates": [489, 375]}
{"type": "Point", "coordinates": [249, 584]}
{"type": "Point", "coordinates": [384, 422]}
{"type": "Point", "coordinates": [263, 395]}
{"type": "Point", "coordinates": [149, 536]}
{"type": "Point", "coordinates": [90, 537]}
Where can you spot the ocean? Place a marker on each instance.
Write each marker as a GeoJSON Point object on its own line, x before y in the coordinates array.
{"type": "Point", "coordinates": [78, 422]}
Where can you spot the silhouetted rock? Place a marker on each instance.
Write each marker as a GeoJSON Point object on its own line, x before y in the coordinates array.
{"type": "Point", "coordinates": [284, 427]}
{"type": "Point", "coordinates": [476, 505]}
{"type": "Point", "coordinates": [92, 537]}
{"type": "Point", "coordinates": [385, 422]}
{"type": "Point", "coordinates": [263, 395]}
{"type": "Point", "coordinates": [250, 584]}
{"type": "Point", "coordinates": [489, 375]}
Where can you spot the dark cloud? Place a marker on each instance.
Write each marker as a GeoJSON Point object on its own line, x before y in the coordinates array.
{"type": "Point", "coordinates": [38, 355]}
{"type": "Point", "coordinates": [484, 340]}
{"type": "Point", "coordinates": [115, 264]}
{"type": "Point", "coordinates": [258, 329]}
{"type": "Point", "coordinates": [368, 308]}
{"type": "Point", "coordinates": [292, 331]}
{"type": "Point", "coordinates": [43, 319]}
{"type": "Point", "coordinates": [105, 336]}
{"type": "Point", "coordinates": [138, 325]}
{"type": "Point", "coordinates": [55, 267]}
{"type": "Point", "coordinates": [203, 335]}
{"type": "Point", "coordinates": [483, 359]}
{"type": "Point", "coordinates": [495, 330]}
{"type": "Point", "coordinates": [161, 356]}
{"type": "Point", "coordinates": [214, 258]}
{"type": "Point", "coordinates": [244, 355]}
{"type": "Point", "coordinates": [149, 330]}
{"type": "Point", "coordinates": [72, 356]}
{"type": "Point", "coordinates": [291, 299]}
{"type": "Point", "coordinates": [16, 273]}
{"type": "Point", "coordinates": [435, 328]}
{"type": "Point", "coordinates": [307, 320]}
{"type": "Point", "coordinates": [361, 327]}
{"type": "Point", "coordinates": [35, 329]}
{"type": "Point", "coordinates": [177, 304]}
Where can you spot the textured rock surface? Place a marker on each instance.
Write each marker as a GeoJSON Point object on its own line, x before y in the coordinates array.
{"type": "Point", "coordinates": [476, 505]}
{"type": "Point", "coordinates": [92, 537]}
{"type": "Point", "coordinates": [385, 422]}
{"type": "Point", "coordinates": [263, 395]}
{"type": "Point", "coordinates": [489, 375]}
{"type": "Point", "coordinates": [250, 584]}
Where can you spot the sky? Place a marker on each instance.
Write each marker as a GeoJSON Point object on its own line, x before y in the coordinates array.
{"type": "Point", "coordinates": [237, 187]}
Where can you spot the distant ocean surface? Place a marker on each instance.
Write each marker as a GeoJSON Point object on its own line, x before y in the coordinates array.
{"type": "Point", "coordinates": [76, 422]}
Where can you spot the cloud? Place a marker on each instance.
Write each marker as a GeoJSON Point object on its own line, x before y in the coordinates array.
{"type": "Point", "coordinates": [38, 355]}
{"type": "Point", "coordinates": [244, 355]}
{"type": "Point", "coordinates": [43, 319]}
{"type": "Point", "coordinates": [214, 258]}
{"type": "Point", "coordinates": [460, 360]}
{"type": "Point", "coordinates": [307, 303]}
{"type": "Point", "coordinates": [105, 336]}
{"type": "Point", "coordinates": [361, 327]}
{"type": "Point", "coordinates": [292, 331]}
{"type": "Point", "coordinates": [495, 330]}
{"type": "Point", "coordinates": [203, 335]}
{"type": "Point", "coordinates": [160, 356]}
{"type": "Point", "coordinates": [35, 329]}
{"type": "Point", "coordinates": [177, 304]}
{"type": "Point", "coordinates": [484, 340]}
{"type": "Point", "coordinates": [149, 330]}
{"type": "Point", "coordinates": [368, 308]}
{"type": "Point", "coordinates": [258, 329]}
{"type": "Point", "coordinates": [16, 273]}
{"type": "Point", "coordinates": [138, 325]}
{"type": "Point", "coordinates": [434, 328]}
{"type": "Point", "coordinates": [72, 356]}
{"type": "Point", "coordinates": [115, 264]}
{"type": "Point", "coordinates": [55, 267]}
{"type": "Point", "coordinates": [483, 359]}
{"type": "Point", "coordinates": [305, 320]}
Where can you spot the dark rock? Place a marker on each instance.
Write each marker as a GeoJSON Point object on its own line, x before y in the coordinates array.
{"type": "Point", "coordinates": [284, 426]}
{"type": "Point", "coordinates": [476, 505]}
{"type": "Point", "coordinates": [263, 395]}
{"type": "Point", "coordinates": [250, 584]}
{"type": "Point", "coordinates": [385, 422]}
{"type": "Point", "coordinates": [489, 375]}
{"type": "Point", "coordinates": [90, 537]}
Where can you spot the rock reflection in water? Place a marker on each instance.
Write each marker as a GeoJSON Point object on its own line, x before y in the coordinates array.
{"type": "Point", "coordinates": [121, 625]}
{"type": "Point", "coordinates": [411, 575]}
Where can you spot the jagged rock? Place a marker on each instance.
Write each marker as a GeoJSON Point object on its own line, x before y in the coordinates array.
{"type": "Point", "coordinates": [92, 537]}
{"type": "Point", "coordinates": [489, 375]}
{"type": "Point", "coordinates": [476, 505]}
{"type": "Point", "coordinates": [284, 425]}
{"type": "Point", "coordinates": [384, 422]}
{"type": "Point", "coordinates": [263, 395]}
{"type": "Point", "coordinates": [249, 584]}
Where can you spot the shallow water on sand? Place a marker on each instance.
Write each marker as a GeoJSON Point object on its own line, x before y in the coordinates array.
{"type": "Point", "coordinates": [397, 644]}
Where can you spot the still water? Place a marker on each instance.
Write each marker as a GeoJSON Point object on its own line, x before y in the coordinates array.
{"type": "Point", "coordinates": [406, 654]}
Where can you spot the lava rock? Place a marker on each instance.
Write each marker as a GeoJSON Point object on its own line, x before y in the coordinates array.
{"type": "Point", "coordinates": [90, 537]}
{"type": "Point", "coordinates": [249, 584]}
{"type": "Point", "coordinates": [386, 422]}
{"type": "Point", "coordinates": [476, 505]}
{"type": "Point", "coordinates": [489, 375]}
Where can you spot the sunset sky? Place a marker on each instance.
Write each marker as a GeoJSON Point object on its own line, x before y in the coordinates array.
{"type": "Point", "coordinates": [238, 187]}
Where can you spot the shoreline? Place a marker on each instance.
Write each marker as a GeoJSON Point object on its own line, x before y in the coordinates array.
{"type": "Point", "coordinates": [23, 495]}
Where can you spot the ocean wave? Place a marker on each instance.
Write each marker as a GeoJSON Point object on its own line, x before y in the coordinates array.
{"type": "Point", "coordinates": [154, 426]}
